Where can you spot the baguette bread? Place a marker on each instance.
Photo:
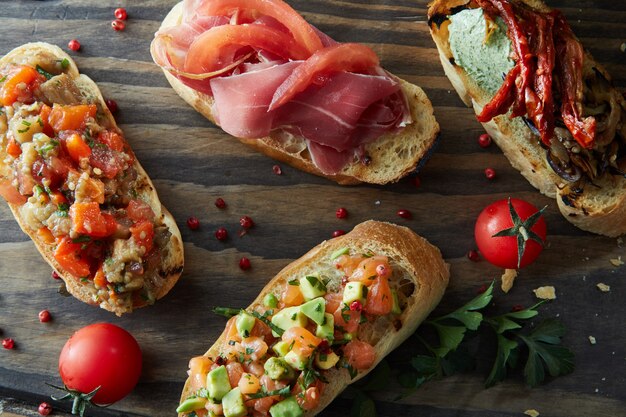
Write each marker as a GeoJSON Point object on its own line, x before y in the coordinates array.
{"type": "Point", "coordinates": [420, 277]}
{"type": "Point", "coordinates": [393, 155]}
{"type": "Point", "coordinates": [77, 89]}
{"type": "Point", "coordinates": [598, 206]}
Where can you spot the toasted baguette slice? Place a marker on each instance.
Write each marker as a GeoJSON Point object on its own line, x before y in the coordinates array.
{"type": "Point", "coordinates": [416, 264]}
{"type": "Point", "coordinates": [599, 208]}
{"type": "Point", "coordinates": [392, 155]}
{"type": "Point", "coordinates": [171, 265]}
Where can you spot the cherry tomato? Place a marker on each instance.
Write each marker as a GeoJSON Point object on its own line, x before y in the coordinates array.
{"type": "Point", "coordinates": [502, 251]}
{"type": "Point", "coordinates": [101, 355]}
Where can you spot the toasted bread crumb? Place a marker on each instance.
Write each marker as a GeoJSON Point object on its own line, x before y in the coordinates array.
{"type": "Point", "coordinates": [617, 262]}
{"type": "Point", "coordinates": [507, 279]}
{"type": "Point", "coordinates": [603, 287]}
{"type": "Point", "coordinates": [531, 412]}
{"type": "Point", "coordinates": [545, 293]}
{"type": "Point", "coordinates": [592, 340]}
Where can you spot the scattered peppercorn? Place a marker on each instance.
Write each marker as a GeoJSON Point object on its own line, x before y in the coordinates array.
{"type": "Point", "coordinates": [356, 306]}
{"type": "Point", "coordinates": [118, 25]}
{"type": "Point", "coordinates": [44, 316]}
{"type": "Point", "coordinates": [55, 275]}
{"type": "Point", "coordinates": [220, 203]}
{"type": "Point", "coordinates": [405, 214]}
{"type": "Point", "coordinates": [473, 255]}
{"type": "Point", "coordinates": [193, 223]}
{"type": "Point", "coordinates": [341, 213]}
{"type": "Point", "coordinates": [244, 263]}
{"type": "Point", "coordinates": [277, 170]}
{"type": "Point", "coordinates": [417, 182]}
{"type": "Point", "coordinates": [221, 234]}
{"type": "Point", "coordinates": [44, 409]}
{"type": "Point", "coordinates": [120, 13]}
{"type": "Point", "coordinates": [337, 233]}
{"type": "Point", "coordinates": [8, 343]}
{"type": "Point", "coordinates": [112, 105]}
{"type": "Point", "coordinates": [484, 140]}
{"type": "Point", "coordinates": [490, 173]}
{"type": "Point", "coordinates": [246, 222]}
{"type": "Point", "coordinates": [74, 45]}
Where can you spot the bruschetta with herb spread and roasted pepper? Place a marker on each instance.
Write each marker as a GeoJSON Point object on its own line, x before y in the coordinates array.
{"type": "Point", "coordinates": [76, 187]}
{"type": "Point", "coordinates": [544, 100]}
{"type": "Point", "coordinates": [323, 322]}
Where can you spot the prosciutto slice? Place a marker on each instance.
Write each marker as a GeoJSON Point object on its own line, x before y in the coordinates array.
{"type": "Point", "coordinates": [293, 86]}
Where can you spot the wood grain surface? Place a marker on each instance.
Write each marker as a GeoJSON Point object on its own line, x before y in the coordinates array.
{"type": "Point", "coordinates": [192, 162]}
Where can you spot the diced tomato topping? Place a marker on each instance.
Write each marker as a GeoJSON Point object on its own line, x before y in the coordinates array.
{"type": "Point", "coordinates": [143, 233]}
{"type": "Point", "coordinates": [40, 171]}
{"type": "Point", "coordinates": [349, 57]}
{"type": "Point", "coordinates": [13, 148]}
{"type": "Point", "coordinates": [360, 355]}
{"type": "Point", "coordinates": [76, 147]}
{"type": "Point", "coordinates": [106, 160]}
{"type": "Point", "coordinates": [71, 117]}
{"type": "Point", "coordinates": [19, 85]}
{"type": "Point", "coordinates": [304, 342]}
{"type": "Point", "coordinates": [138, 211]}
{"type": "Point", "coordinates": [292, 296]}
{"type": "Point", "coordinates": [45, 235]}
{"type": "Point", "coordinates": [379, 297]}
{"type": "Point", "coordinates": [87, 219]}
{"type": "Point", "coordinates": [69, 256]}
{"type": "Point", "coordinates": [44, 115]}
{"type": "Point", "coordinates": [227, 39]}
{"type": "Point", "coordinates": [57, 197]}
{"type": "Point", "coordinates": [111, 139]}
{"type": "Point", "coordinates": [99, 279]}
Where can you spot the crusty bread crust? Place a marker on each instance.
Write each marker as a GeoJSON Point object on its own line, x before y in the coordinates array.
{"type": "Point", "coordinates": [172, 264]}
{"type": "Point", "coordinates": [418, 260]}
{"type": "Point", "coordinates": [599, 210]}
{"type": "Point", "coordinates": [392, 155]}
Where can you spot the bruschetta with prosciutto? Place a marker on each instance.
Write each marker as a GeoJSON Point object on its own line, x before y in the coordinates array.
{"type": "Point", "coordinates": [76, 188]}
{"type": "Point", "coordinates": [263, 74]}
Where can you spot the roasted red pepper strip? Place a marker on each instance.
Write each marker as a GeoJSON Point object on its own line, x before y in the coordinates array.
{"type": "Point", "coordinates": [569, 65]}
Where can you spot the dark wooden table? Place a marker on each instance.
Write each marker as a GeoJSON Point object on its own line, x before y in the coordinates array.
{"type": "Point", "coordinates": [192, 162]}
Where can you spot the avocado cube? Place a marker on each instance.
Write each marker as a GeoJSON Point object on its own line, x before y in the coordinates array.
{"type": "Point", "coordinates": [270, 300]}
{"type": "Point", "coordinates": [287, 318]}
{"type": "Point", "coordinates": [286, 408]}
{"type": "Point", "coordinates": [326, 360]}
{"type": "Point", "coordinates": [354, 291]}
{"type": "Point", "coordinates": [233, 405]}
{"type": "Point", "coordinates": [296, 361]}
{"type": "Point", "coordinates": [277, 368]}
{"type": "Point", "coordinates": [311, 287]}
{"type": "Point", "coordinates": [190, 404]}
{"type": "Point", "coordinates": [281, 348]}
{"type": "Point", "coordinates": [326, 330]}
{"type": "Point", "coordinates": [244, 323]}
{"type": "Point", "coordinates": [217, 384]}
{"type": "Point", "coordinates": [395, 308]}
{"type": "Point", "coordinates": [314, 309]}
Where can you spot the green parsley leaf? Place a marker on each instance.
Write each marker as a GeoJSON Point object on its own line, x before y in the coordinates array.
{"type": "Point", "coordinates": [44, 72]}
{"type": "Point", "coordinates": [498, 371]}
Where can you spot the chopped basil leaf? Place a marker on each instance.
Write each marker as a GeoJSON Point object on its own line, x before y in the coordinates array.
{"type": "Point", "coordinates": [62, 210]}
{"type": "Point", "coordinates": [3, 79]}
{"type": "Point", "coordinates": [44, 72]}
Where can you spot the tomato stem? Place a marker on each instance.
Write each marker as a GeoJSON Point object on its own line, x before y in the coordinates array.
{"type": "Point", "coordinates": [80, 401]}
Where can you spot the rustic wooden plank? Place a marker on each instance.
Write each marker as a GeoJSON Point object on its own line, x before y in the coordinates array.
{"type": "Point", "coordinates": [193, 162]}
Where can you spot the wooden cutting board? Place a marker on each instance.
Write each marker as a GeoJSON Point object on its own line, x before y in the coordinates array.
{"type": "Point", "coordinates": [192, 162]}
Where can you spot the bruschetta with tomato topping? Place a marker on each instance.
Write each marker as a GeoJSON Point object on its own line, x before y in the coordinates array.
{"type": "Point", "coordinates": [322, 323]}
{"type": "Point", "coordinates": [545, 101]}
{"type": "Point", "coordinates": [263, 74]}
{"type": "Point", "coordinates": [76, 188]}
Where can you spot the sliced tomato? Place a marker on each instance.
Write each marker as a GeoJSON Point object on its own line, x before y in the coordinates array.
{"type": "Point", "coordinates": [106, 160]}
{"type": "Point", "coordinates": [302, 32]}
{"type": "Point", "coordinates": [143, 233]}
{"type": "Point", "coordinates": [69, 256]}
{"type": "Point", "coordinates": [214, 49]}
{"type": "Point", "coordinates": [41, 171]}
{"type": "Point", "coordinates": [100, 279]}
{"type": "Point", "coordinates": [76, 147]}
{"type": "Point", "coordinates": [71, 117]}
{"type": "Point", "coordinates": [87, 219]}
{"type": "Point", "coordinates": [349, 57]}
{"type": "Point", "coordinates": [112, 139]}
{"type": "Point", "coordinates": [360, 355]}
{"type": "Point", "coordinates": [19, 85]}
{"type": "Point", "coordinates": [379, 298]}
{"type": "Point", "coordinates": [138, 211]}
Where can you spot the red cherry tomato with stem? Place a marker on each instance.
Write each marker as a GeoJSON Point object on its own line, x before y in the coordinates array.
{"type": "Point", "coordinates": [510, 233]}
{"type": "Point", "coordinates": [101, 355]}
